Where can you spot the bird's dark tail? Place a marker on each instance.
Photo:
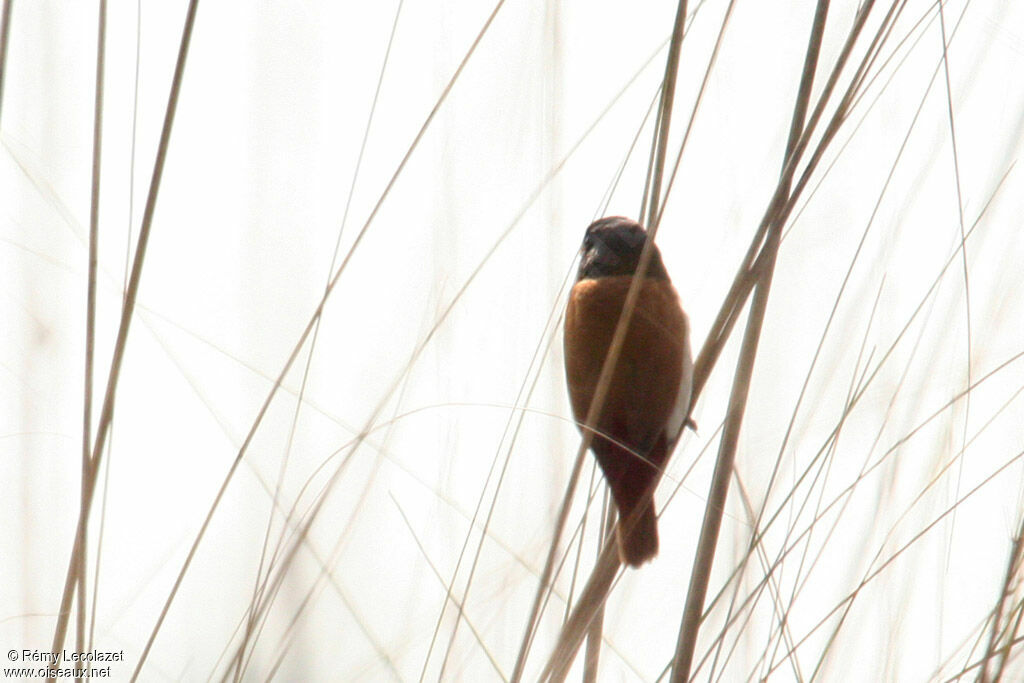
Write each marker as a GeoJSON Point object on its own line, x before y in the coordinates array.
{"type": "Point", "coordinates": [638, 535]}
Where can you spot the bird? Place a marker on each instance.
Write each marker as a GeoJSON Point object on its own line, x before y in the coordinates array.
{"type": "Point", "coordinates": [648, 399]}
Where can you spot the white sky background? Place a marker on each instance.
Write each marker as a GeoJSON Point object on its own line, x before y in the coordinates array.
{"type": "Point", "coordinates": [273, 107]}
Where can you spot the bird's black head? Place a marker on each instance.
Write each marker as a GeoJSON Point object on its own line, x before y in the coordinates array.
{"type": "Point", "coordinates": [612, 246]}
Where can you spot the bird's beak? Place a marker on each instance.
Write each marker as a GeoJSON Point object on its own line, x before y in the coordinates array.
{"type": "Point", "coordinates": [597, 260]}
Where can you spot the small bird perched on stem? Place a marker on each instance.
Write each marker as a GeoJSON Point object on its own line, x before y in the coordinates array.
{"type": "Point", "coordinates": [649, 396]}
